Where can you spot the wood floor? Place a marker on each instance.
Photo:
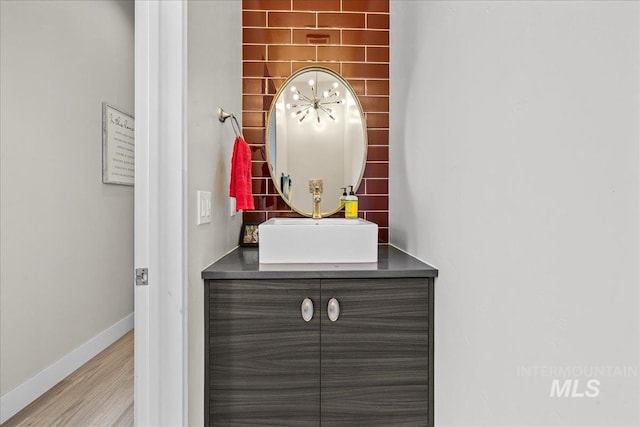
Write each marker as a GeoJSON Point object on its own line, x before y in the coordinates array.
{"type": "Point", "coordinates": [99, 393]}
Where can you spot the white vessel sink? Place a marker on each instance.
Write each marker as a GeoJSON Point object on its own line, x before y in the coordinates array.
{"type": "Point", "coordinates": [318, 241]}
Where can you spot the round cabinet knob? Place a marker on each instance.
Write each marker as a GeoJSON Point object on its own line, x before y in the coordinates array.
{"type": "Point", "coordinates": [333, 309]}
{"type": "Point", "coordinates": [307, 309]}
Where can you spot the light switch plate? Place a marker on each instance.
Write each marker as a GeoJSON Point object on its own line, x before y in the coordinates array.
{"type": "Point", "coordinates": [204, 207]}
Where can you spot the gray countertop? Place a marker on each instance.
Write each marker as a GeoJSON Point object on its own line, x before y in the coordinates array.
{"type": "Point", "coordinates": [243, 263]}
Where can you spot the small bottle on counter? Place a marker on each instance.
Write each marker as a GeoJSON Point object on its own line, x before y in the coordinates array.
{"type": "Point", "coordinates": [343, 197]}
{"type": "Point", "coordinates": [351, 205]}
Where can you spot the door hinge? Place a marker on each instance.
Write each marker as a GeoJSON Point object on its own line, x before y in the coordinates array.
{"type": "Point", "coordinates": [142, 276]}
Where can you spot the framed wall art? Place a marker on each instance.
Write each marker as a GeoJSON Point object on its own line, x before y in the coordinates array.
{"type": "Point", "coordinates": [118, 146]}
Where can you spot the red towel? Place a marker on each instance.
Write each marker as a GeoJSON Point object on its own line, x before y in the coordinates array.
{"type": "Point", "coordinates": [240, 186]}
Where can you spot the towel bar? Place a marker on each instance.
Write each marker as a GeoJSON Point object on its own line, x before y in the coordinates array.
{"type": "Point", "coordinates": [223, 116]}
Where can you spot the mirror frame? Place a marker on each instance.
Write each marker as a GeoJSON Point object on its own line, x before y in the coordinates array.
{"type": "Point", "coordinates": [363, 117]}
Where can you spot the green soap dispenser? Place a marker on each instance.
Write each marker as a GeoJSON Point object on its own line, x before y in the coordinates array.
{"type": "Point", "coordinates": [351, 205]}
{"type": "Point", "coordinates": [343, 197]}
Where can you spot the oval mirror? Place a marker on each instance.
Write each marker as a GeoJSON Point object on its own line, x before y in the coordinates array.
{"type": "Point", "coordinates": [316, 130]}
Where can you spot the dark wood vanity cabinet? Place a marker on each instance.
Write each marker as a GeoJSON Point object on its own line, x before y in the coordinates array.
{"type": "Point", "coordinates": [266, 366]}
{"type": "Point", "coordinates": [263, 358]}
{"type": "Point", "coordinates": [375, 358]}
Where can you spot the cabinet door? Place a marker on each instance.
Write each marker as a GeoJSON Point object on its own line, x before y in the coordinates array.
{"type": "Point", "coordinates": [262, 360]}
{"type": "Point", "coordinates": [375, 356]}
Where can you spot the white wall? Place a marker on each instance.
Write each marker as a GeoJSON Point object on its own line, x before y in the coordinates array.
{"type": "Point", "coordinates": [66, 240]}
{"type": "Point", "coordinates": [514, 169]}
{"type": "Point", "coordinates": [214, 80]}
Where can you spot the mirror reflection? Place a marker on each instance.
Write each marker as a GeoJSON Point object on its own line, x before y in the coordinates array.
{"type": "Point", "coordinates": [316, 131]}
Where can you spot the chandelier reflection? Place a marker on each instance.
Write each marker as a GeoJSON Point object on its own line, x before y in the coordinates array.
{"type": "Point", "coordinates": [315, 103]}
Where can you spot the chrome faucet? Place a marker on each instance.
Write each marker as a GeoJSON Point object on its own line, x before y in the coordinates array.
{"type": "Point", "coordinates": [315, 188]}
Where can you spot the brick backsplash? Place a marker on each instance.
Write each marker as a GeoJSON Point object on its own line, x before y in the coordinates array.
{"type": "Point", "coordinates": [350, 37]}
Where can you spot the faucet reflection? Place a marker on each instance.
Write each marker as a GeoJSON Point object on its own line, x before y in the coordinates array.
{"type": "Point", "coordinates": [315, 188]}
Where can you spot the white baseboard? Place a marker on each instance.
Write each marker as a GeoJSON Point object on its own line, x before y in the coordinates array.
{"type": "Point", "coordinates": [18, 398]}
